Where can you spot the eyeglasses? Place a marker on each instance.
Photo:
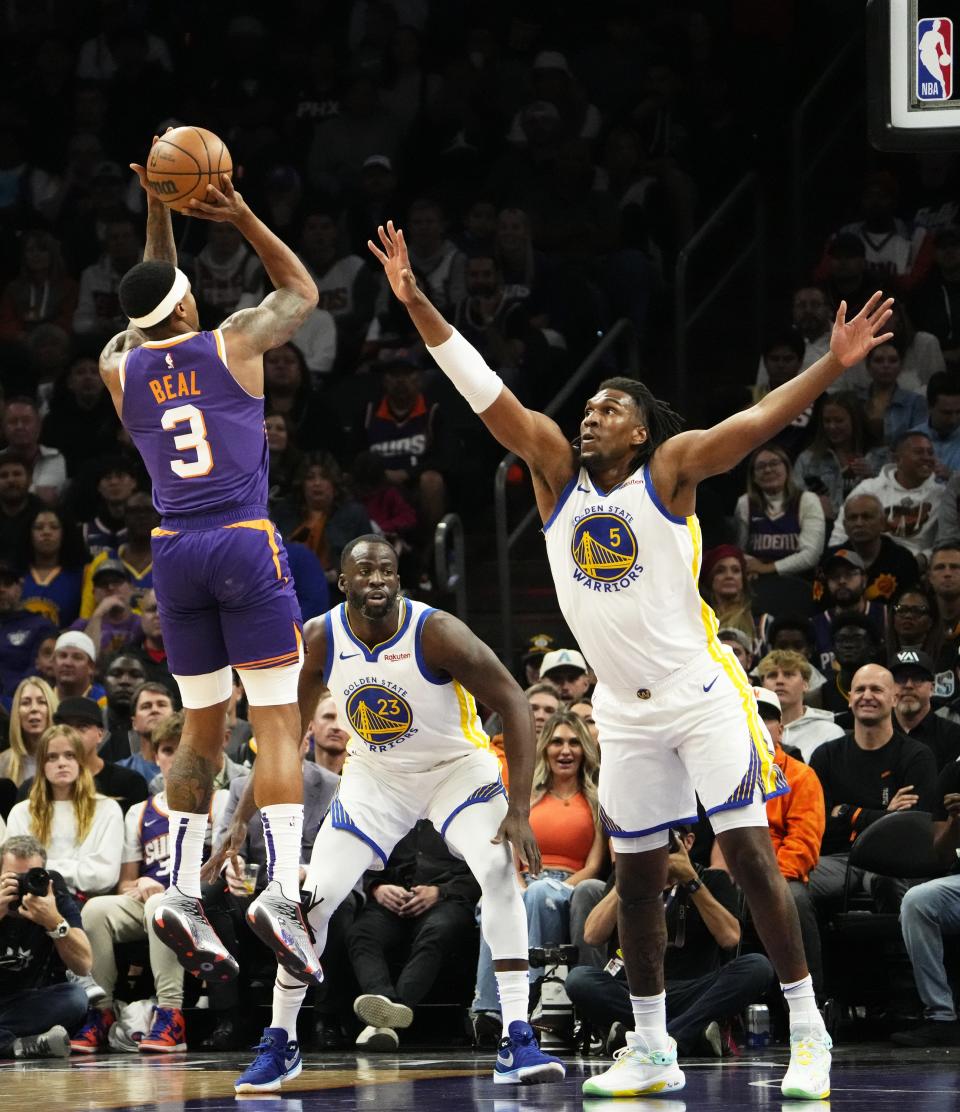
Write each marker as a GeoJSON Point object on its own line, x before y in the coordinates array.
{"type": "Point", "coordinates": [769, 465]}
{"type": "Point", "coordinates": [911, 611]}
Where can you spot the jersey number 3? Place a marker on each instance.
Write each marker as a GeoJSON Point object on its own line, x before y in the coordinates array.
{"type": "Point", "coordinates": [193, 441]}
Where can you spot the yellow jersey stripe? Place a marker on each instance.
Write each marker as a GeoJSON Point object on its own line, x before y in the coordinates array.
{"type": "Point", "coordinates": [468, 717]}
{"type": "Point", "coordinates": [730, 665]}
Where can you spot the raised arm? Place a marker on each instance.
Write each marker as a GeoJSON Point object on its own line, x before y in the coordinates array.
{"type": "Point", "coordinates": [449, 646]}
{"type": "Point", "coordinates": [250, 332]}
{"type": "Point", "coordinates": [536, 439]}
{"type": "Point", "coordinates": [160, 242]}
{"type": "Point", "coordinates": [687, 458]}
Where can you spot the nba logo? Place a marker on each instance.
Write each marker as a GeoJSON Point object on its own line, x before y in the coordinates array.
{"type": "Point", "coordinates": [934, 59]}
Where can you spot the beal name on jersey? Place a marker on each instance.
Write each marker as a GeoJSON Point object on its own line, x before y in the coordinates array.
{"type": "Point", "coordinates": [604, 549]}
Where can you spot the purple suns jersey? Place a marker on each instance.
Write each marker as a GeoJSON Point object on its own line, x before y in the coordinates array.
{"type": "Point", "coordinates": [200, 434]}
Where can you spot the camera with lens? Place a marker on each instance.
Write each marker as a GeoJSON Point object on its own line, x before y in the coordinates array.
{"type": "Point", "coordinates": [554, 955]}
{"type": "Point", "coordinates": [34, 882]}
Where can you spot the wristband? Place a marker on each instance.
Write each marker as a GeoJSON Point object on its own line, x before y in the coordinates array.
{"type": "Point", "coordinates": [467, 370]}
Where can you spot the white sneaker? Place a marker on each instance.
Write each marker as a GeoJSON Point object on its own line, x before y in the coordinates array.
{"type": "Point", "coordinates": [808, 1076]}
{"type": "Point", "coordinates": [381, 1011]}
{"type": "Point", "coordinates": [379, 1040]}
{"type": "Point", "coordinates": [638, 1070]}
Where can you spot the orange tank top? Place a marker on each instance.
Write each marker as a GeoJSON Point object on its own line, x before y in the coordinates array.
{"type": "Point", "coordinates": [564, 830]}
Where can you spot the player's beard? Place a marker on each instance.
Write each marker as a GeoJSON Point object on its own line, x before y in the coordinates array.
{"type": "Point", "coordinates": [376, 611]}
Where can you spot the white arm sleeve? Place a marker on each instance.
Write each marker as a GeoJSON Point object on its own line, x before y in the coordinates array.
{"type": "Point", "coordinates": [467, 370]}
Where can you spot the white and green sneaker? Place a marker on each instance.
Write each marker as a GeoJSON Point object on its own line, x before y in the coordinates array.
{"type": "Point", "coordinates": [808, 1075]}
{"type": "Point", "coordinates": [637, 1071]}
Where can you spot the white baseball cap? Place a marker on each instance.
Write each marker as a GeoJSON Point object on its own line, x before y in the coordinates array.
{"type": "Point", "coordinates": [74, 639]}
{"type": "Point", "coordinates": [771, 698]}
{"type": "Point", "coordinates": [562, 658]}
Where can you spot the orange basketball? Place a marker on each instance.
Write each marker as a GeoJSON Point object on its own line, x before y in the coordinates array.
{"type": "Point", "coordinates": [182, 163]}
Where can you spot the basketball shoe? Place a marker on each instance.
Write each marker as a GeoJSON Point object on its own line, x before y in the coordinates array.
{"type": "Point", "coordinates": [381, 1011]}
{"type": "Point", "coordinates": [280, 924]}
{"type": "Point", "coordinates": [520, 1061]}
{"type": "Point", "coordinates": [180, 923]}
{"type": "Point", "coordinates": [637, 1071]}
{"type": "Point", "coordinates": [278, 1060]}
{"type": "Point", "coordinates": [92, 1036]}
{"type": "Point", "coordinates": [167, 1032]}
{"type": "Point", "coordinates": [808, 1075]}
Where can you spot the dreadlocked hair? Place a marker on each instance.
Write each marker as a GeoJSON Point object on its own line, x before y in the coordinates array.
{"type": "Point", "coordinates": [660, 419]}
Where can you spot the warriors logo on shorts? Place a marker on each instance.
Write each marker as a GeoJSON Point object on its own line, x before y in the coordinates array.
{"type": "Point", "coordinates": [604, 549]}
{"type": "Point", "coordinates": [380, 716]}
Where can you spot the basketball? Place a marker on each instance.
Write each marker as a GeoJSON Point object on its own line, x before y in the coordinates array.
{"type": "Point", "coordinates": [182, 163]}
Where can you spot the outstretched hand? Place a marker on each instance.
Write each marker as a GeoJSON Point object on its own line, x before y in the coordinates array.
{"type": "Point", "coordinates": [141, 171]}
{"type": "Point", "coordinates": [853, 340]}
{"type": "Point", "coordinates": [515, 829]}
{"type": "Point", "coordinates": [395, 262]}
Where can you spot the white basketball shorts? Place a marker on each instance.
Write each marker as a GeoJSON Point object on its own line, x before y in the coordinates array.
{"type": "Point", "coordinates": [380, 805]}
{"type": "Point", "coordinates": [695, 732]}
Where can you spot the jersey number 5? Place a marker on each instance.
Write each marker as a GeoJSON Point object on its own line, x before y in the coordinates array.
{"type": "Point", "coordinates": [193, 441]}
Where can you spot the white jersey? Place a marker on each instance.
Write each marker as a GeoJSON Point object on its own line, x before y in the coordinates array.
{"type": "Point", "coordinates": [400, 715]}
{"type": "Point", "coordinates": [625, 571]}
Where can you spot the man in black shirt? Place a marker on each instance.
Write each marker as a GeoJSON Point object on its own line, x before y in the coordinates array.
{"type": "Point", "coordinates": [124, 675]}
{"type": "Point", "coordinates": [930, 911]}
{"type": "Point", "coordinates": [702, 906]}
{"type": "Point", "coordinates": [40, 938]}
{"type": "Point", "coordinates": [421, 906]}
{"type": "Point", "coordinates": [856, 642]}
{"type": "Point", "coordinates": [870, 771]}
{"type": "Point", "coordinates": [889, 567]}
{"type": "Point", "coordinates": [17, 504]}
{"type": "Point", "coordinates": [914, 673]}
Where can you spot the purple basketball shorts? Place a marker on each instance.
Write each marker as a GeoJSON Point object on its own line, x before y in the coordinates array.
{"type": "Point", "coordinates": [225, 596]}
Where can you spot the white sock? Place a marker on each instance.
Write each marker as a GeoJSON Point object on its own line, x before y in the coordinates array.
{"type": "Point", "coordinates": [514, 988]}
{"type": "Point", "coordinates": [187, 835]}
{"type": "Point", "coordinates": [803, 1005]}
{"type": "Point", "coordinates": [287, 1000]}
{"type": "Point", "coordinates": [282, 833]}
{"type": "Point", "coordinates": [650, 1020]}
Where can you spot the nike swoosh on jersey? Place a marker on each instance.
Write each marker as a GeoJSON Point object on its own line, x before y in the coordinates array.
{"type": "Point", "coordinates": [348, 656]}
{"type": "Point", "coordinates": [583, 490]}
{"type": "Point", "coordinates": [707, 686]}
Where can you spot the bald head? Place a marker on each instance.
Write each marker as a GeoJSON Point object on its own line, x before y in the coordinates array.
{"type": "Point", "coordinates": [873, 695]}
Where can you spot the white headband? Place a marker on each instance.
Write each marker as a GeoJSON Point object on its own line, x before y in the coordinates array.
{"type": "Point", "coordinates": [181, 283]}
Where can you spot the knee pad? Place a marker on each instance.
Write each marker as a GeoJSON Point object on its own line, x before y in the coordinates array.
{"type": "Point", "coordinates": [271, 687]}
{"type": "Point", "coordinates": [207, 690]}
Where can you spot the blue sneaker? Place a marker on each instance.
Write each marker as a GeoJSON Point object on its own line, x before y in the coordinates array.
{"type": "Point", "coordinates": [277, 1061]}
{"type": "Point", "coordinates": [520, 1061]}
